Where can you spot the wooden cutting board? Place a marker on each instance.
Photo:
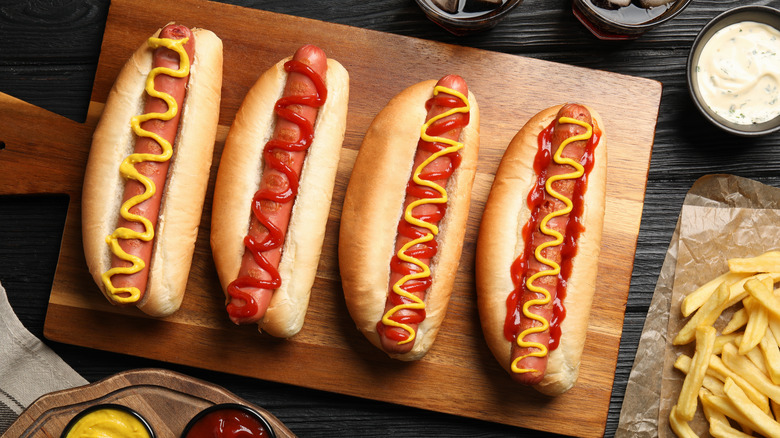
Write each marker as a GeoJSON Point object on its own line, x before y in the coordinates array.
{"type": "Point", "coordinates": [45, 153]}
{"type": "Point", "coordinates": [167, 400]}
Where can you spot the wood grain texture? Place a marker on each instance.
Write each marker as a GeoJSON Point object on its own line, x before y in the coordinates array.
{"type": "Point", "coordinates": [166, 399]}
{"type": "Point", "coordinates": [329, 354]}
{"type": "Point", "coordinates": [56, 73]}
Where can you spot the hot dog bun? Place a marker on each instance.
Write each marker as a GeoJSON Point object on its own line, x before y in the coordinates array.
{"type": "Point", "coordinates": [500, 242]}
{"type": "Point", "coordinates": [373, 206]}
{"type": "Point", "coordinates": [187, 182]}
{"type": "Point", "coordinates": [238, 178]}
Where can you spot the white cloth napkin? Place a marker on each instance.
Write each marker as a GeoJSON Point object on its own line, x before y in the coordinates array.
{"type": "Point", "coordinates": [28, 368]}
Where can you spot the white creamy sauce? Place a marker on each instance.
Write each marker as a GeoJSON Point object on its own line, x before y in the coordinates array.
{"type": "Point", "coordinates": [738, 73]}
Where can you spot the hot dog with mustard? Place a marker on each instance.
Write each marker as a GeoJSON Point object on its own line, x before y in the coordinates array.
{"type": "Point", "coordinates": [538, 246]}
{"type": "Point", "coordinates": [148, 169]}
{"type": "Point", "coordinates": [404, 215]}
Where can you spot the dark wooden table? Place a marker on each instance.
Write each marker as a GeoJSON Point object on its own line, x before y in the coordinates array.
{"type": "Point", "coordinates": [48, 56]}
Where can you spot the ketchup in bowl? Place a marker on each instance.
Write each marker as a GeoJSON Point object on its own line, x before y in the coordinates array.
{"type": "Point", "coordinates": [228, 421]}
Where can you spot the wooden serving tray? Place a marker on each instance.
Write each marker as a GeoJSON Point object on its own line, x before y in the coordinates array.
{"type": "Point", "coordinates": [47, 154]}
{"type": "Point", "coordinates": [167, 400]}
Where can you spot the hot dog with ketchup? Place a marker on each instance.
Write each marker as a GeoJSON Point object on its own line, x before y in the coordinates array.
{"type": "Point", "coordinates": [538, 246]}
{"type": "Point", "coordinates": [274, 187]}
{"type": "Point", "coordinates": [148, 169]}
{"type": "Point", "coordinates": [404, 214]}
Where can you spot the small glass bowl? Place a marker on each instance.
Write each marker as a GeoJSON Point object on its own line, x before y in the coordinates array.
{"type": "Point", "coordinates": [108, 406]}
{"type": "Point", "coordinates": [269, 431]}
{"type": "Point", "coordinates": [466, 23]}
{"type": "Point", "coordinates": [605, 25]}
{"type": "Point", "coordinates": [760, 14]}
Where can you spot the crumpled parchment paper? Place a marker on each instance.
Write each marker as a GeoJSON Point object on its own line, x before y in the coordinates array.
{"type": "Point", "coordinates": [723, 216]}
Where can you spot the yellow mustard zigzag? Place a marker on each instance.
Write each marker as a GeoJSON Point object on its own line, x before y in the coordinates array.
{"type": "Point", "coordinates": [454, 146]}
{"type": "Point", "coordinates": [541, 349]}
{"type": "Point", "coordinates": [128, 171]}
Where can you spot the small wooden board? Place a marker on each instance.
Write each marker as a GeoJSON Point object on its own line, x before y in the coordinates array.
{"type": "Point", "coordinates": [167, 400]}
{"type": "Point", "coordinates": [47, 154]}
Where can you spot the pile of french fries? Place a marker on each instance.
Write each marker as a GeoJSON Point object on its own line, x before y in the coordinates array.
{"type": "Point", "coordinates": [735, 375]}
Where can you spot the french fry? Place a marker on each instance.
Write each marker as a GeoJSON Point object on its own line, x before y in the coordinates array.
{"type": "Point", "coordinates": [738, 320]}
{"type": "Point", "coordinates": [771, 353]}
{"type": "Point", "coordinates": [754, 355]}
{"type": "Point", "coordinates": [742, 366]}
{"type": "Point", "coordinates": [765, 295]}
{"type": "Point", "coordinates": [722, 372]}
{"type": "Point", "coordinates": [707, 314]}
{"type": "Point", "coordinates": [680, 426]}
{"type": "Point", "coordinates": [767, 262]}
{"type": "Point", "coordinates": [687, 401]}
{"type": "Point", "coordinates": [682, 363]}
{"type": "Point", "coordinates": [758, 322]}
{"type": "Point", "coordinates": [757, 359]}
{"type": "Point", "coordinates": [774, 322]}
{"type": "Point", "coordinates": [738, 292]}
{"type": "Point", "coordinates": [720, 427]}
{"type": "Point", "coordinates": [722, 340]}
{"type": "Point", "coordinates": [711, 382]}
{"type": "Point", "coordinates": [758, 420]}
{"type": "Point", "coordinates": [695, 299]}
{"type": "Point", "coordinates": [724, 405]}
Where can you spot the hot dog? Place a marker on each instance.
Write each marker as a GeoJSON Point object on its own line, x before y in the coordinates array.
{"type": "Point", "coordinates": [404, 215]}
{"type": "Point", "coordinates": [538, 246]}
{"type": "Point", "coordinates": [150, 159]}
{"type": "Point", "coordinates": [274, 187]}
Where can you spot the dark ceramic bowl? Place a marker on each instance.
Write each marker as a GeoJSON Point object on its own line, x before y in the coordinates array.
{"type": "Point", "coordinates": [108, 406]}
{"type": "Point", "coordinates": [230, 406]}
{"type": "Point", "coordinates": [624, 23]}
{"type": "Point", "coordinates": [464, 23]}
{"type": "Point", "coordinates": [760, 14]}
